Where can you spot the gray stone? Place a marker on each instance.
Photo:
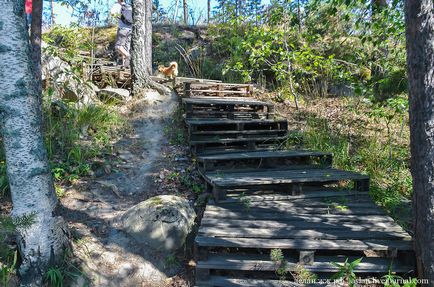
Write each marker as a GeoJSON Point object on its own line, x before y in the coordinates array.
{"type": "Point", "coordinates": [188, 35]}
{"type": "Point", "coordinates": [162, 222]}
{"type": "Point", "coordinates": [58, 74]}
{"type": "Point", "coordinates": [114, 95]}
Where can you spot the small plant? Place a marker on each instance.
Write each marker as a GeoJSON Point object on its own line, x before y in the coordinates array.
{"type": "Point", "coordinates": [390, 279]}
{"type": "Point", "coordinates": [4, 184]}
{"type": "Point", "coordinates": [302, 275]}
{"type": "Point", "coordinates": [346, 271]}
{"type": "Point", "coordinates": [245, 201]}
{"type": "Point", "coordinates": [54, 277]}
{"type": "Point", "coordinates": [8, 268]}
{"type": "Point", "coordinates": [60, 191]}
{"type": "Point", "coordinates": [171, 262]}
{"type": "Point", "coordinates": [276, 255]}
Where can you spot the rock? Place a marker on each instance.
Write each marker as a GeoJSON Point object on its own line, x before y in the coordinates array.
{"type": "Point", "coordinates": [114, 95]}
{"type": "Point", "coordinates": [58, 74]}
{"type": "Point", "coordinates": [126, 155]}
{"type": "Point", "coordinates": [113, 187]}
{"type": "Point", "coordinates": [162, 222]}
{"type": "Point", "coordinates": [188, 35]}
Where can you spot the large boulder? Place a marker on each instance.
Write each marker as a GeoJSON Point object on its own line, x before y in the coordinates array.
{"type": "Point", "coordinates": [58, 74]}
{"type": "Point", "coordinates": [114, 95]}
{"type": "Point", "coordinates": [162, 222]}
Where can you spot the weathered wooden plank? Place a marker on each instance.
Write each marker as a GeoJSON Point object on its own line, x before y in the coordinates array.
{"type": "Point", "coordinates": [264, 154]}
{"type": "Point", "coordinates": [220, 281]}
{"type": "Point", "coordinates": [322, 264]}
{"type": "Point", "coordinates": [195, 80]}
{"type": "Point", "coordinates": [236, 132]}
{"type": "Point", "coordinates": [225, 101]}
{"type": "Point", "coordinates": [296, 233]}
{"type": "Point", "coordinates": [315, 216]}
{"type": "Point", "coordinates": [226, 114]}
{"type": "Point", "coordinates": [324, 195]}
{"type": "Point", "coordinates": [213, 121]}
{"type": "Point", "coordinates": [226, 139]}
{"type": "Point", "coordinates": [305, 244]}
{"type": "Point", "coordinates": [359, 225]}
{"type": "Point", "coordinates": [272, 213]}
{"type": "Point", "coordinates": [219, 91]}
{"type": "Point", "coordinates": [263, 177]}
{"type": "Point", "coordinates": [340, 203]}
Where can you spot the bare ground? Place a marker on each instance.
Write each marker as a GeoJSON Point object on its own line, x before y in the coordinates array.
{"type": "Point", "coordinates": [105, 255]}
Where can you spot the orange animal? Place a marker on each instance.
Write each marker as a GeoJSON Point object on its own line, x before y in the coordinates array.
{"type": "Point", "coordinates": [169, 72]}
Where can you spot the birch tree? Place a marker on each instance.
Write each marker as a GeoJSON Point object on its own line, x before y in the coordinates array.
{"type": "Point", "coordinates": [30, 180]}
{"type": "Point", "coordinates": [419, 20]}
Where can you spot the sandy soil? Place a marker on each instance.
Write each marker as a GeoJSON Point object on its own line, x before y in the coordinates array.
{"type": "Point", "coordinates": [106, 255]}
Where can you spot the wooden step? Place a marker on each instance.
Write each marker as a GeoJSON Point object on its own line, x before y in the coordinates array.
{"type": "Point", "coordinates": [325, 194]}
{"type": "Point", "coordinates": [202, 145]}
{"type": "Point", "coordinates": [217, 89]}
{"type": "Point", "coordinates": [217, 126]}
{"type": "Point", "coordinates": [229, 107]}
{"type": "Point", "coordinates": [305, 244]}
{"type": "Point", "coordinates": [222, 281]}
{"type": "Point", "coordinates": [321, 264]}
{"type": "Point", "coordinates": [291, 179]}
{"type": "Point", "coordinates": [262, 159]}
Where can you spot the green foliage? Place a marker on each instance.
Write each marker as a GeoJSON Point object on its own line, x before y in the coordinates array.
{"type": "Point", "coordinates": [322, 45]}
{"type": "Point", "coordinates": [302, 275]}
{"type": "Point", "coordinates": [54, 277]}
{"type": "Point", "coordinates": [359, 150]}
{"type": "Point", "coordinates": [4, 184]}
{"type": "Point", "coordinates": [390, 279]}
{"type": "Point", "coordinates": [7, 268]}
{"type": "Point", "coordinates": [65, 273]}
{"type": "Point", "coordinates": [171, 261]}
{"type": "Point", "coordinates": [346, 271]}
{"type": "Point", "coordinates": [8, 256]}
{"type": "Point", "coordinates": [76, 135]}
{"type": "Point", "coordinates": [276, 255]}
{"type": "Point", "coordinates": [67, 42]}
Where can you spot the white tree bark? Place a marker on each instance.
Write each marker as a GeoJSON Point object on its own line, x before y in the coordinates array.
{"type": "Point", "coordinates": [28, 172]}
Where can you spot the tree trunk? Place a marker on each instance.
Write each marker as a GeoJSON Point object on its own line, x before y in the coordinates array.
{"type": "Point", "coordinates": [175, 15]}
{"type": "Point", "coordinates": [141, 49]}
{"type": "Point", "coordinates": [28, 172]}
{"type": "Point", "coordinates": [35, 41]}
{"type": "Point", "coordinates": [377, 7]}
{"type": "Point", "coordinates": [184, 5]}
{"type": "Point", "coordinates": [52, 12]}
{"type": "Point", "coordinates": [209, 10]}
{"type": "Point", "coordinates": [419, 18]}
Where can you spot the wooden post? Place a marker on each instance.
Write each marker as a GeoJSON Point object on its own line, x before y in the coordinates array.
{"type": "Point", "coordinates": [187, 90]}
{"type": "Point", "coordinates": [306, 257]}
{"type": "Point", "coordinates": [220, 88]}
{"type": "Point", "coordinates": [362, 184]}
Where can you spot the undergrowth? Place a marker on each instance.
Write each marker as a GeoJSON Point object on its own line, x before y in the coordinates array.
{"type": "Point", "coordinates": [365, 148]}
{"type": "Point", "coordinates": [77, 135]}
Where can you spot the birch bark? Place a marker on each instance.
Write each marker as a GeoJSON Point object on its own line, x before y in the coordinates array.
{"type": "Point", "coordinates": [28, 172]}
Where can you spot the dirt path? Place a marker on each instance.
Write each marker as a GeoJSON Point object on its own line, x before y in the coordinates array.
{"type": "Point", "coordinates": [107, 256]}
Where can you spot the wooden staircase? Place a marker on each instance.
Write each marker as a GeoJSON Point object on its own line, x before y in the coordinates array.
{"type": "Point", "coordinates": [267, 199]}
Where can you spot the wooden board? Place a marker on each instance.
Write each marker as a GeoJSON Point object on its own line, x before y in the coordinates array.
{"type": "Point", "coordinates": [263, 154]}
{"type": "Point", "coordinates": [321, 264]}
{"type": "Point", "coordinates": [224, 101]}
{"type": "Point", "coordinates": [290, 176]}
{"type": "Point", "coordinates": [229, 138]}
{"type": "Point", "coordinates": [305, 244]}
{"type": "Point", "coordinates": [221, 281]}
